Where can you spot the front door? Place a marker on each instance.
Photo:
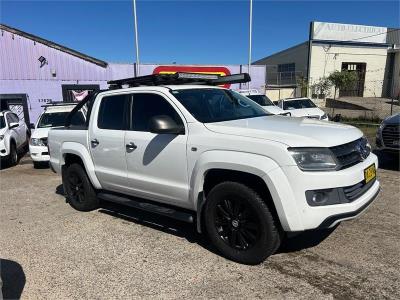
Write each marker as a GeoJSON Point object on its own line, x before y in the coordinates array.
{"type": "Point", "coordinates": [107, 142]}
{"type": "Point", "coordinates": [156, 163]}
{"type": "Point", "coordinates": [357, 88]}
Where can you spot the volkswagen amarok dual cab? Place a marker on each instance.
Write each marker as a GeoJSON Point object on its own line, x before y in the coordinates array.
{"type": "Point", "coordinates": [205, 154]}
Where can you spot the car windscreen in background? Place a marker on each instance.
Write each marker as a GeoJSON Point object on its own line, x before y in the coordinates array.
{"type": "Point", "coordinates": [261, 99]}
{"type": "Point", "coordinates": [57, 119]}
{"type": "Point", "coordinates": [298, 104]}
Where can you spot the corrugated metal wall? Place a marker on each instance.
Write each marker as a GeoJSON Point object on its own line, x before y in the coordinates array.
{"type": "Point", "coordinates": [22, 73]}
{"type": "Point", "coordinates": [19, 61]}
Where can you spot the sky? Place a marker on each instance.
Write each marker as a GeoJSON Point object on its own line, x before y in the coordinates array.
{"type": "Point", "coordinates": [186, 32]}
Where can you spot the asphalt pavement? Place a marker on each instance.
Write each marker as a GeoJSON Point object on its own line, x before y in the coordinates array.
{"type": "Point", "coordinates": [50, 251]}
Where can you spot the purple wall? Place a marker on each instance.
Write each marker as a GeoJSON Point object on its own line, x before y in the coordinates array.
{"type": "Point", "coordinates": [21, 73]}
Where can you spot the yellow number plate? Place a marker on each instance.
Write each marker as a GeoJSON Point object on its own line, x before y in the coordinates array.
{"type": "Point", "coordinates": [369, 173]}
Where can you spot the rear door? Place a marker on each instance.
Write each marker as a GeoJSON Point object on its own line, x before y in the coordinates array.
{"type": "Point", "coordinates": [157, 163]}
{"type": "Point", "coordinates": [107, 141]}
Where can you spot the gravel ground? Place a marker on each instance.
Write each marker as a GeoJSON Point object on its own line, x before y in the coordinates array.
{"type": "Point", "coordinates": [50, 251]}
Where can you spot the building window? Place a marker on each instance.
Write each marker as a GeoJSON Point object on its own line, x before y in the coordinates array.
{"type": "Point", "coordinates": [287, 73]}
{"type": "Point", "coordinates": [283, 68]}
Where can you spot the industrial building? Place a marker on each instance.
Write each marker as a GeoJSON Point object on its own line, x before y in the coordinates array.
{"type": "Point", "coordinates": [373, 52]}
{"type": "Point", "coordinates": [35, 71]}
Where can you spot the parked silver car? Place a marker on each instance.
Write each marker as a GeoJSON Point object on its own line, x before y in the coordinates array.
{"type": "Point", "coordinates": [388, 134]}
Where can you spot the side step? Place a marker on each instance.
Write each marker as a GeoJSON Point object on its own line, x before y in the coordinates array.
{"type": "Point", "coordinates": [150, 207]}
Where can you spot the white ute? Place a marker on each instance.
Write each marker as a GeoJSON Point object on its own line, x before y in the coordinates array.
{"type": "Point", "coordinates": [14, 136]}
{"type": "Point", "coordinates": [302, 107]}
{"type": "Point", "coordinates": [264, 101]}
{"type": "Point", "coordinates": [53, 116]}
{"type": "Point", "coordinates": [207, 154]}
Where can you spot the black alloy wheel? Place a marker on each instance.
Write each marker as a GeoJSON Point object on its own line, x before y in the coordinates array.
{"type": "Point", "coordinates": [240, 224]}
{"type": "Point", "coordinates": [77, 191]}
{"type": "Point", "coordinates": [237, 224]}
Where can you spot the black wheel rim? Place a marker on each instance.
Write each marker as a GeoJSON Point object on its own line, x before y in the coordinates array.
{"type": "Point", "coordinates": [237, 223]}
{"type": "Point", "coordinates": [76, 188]}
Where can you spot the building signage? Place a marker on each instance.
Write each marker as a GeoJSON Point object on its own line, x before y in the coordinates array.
{"type": "Point", "coordinates": [348, 32]}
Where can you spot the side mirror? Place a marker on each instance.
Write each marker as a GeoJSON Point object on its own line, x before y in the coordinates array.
{"type": "Point", "coordinates": [31, 126]}
{"type": "Point", "coordinates": [13, 125]}
{"type": "Point", "coordinates": [163, 124]}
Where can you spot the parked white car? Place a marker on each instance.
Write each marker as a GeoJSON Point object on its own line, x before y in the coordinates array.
{"type": "Point", "coordinates": [302, 107]}
{"type": "Point", "coordinates": [205, 154]}
{"type": "Point", "coordinates": [53, 116]}
{"type": "Point", "coordinates": [14, 137]}
{"type": "Point", "coordinates": [264, 101]}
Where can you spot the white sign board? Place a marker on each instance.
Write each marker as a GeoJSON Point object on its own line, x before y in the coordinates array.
{"type": "Point", "coordinates": [348, 32]}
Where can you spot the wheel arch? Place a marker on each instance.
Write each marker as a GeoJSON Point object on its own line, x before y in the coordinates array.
{"type": "Point", "coordinates": [73, 152]}
{"type": "Point", "coordinates": [220, 166]}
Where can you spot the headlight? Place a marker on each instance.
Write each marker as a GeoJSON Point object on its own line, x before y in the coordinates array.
{"type": "Point", "coordinates": [36, 142]}
{"type": "Point", "coordinates": [324, 116]}
{"type": "Point", "coordinates": [1, 137]}
{"type": "Point", "coordinates": [314, 159]}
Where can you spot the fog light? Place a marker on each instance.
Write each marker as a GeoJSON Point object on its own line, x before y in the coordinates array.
{"type": "Point", "coordinates": [323, 197]}
{"type": "Point", "coordinates": [319, 198]}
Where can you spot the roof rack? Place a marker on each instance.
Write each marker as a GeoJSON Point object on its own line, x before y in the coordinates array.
{"type": "Point", "coordinates": [58, 103]}
{"type": "Point", "coordinates": [179, 79]}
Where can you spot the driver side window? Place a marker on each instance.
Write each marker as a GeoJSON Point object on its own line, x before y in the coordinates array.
{"type": "Point", "coordinates": [147, 106]}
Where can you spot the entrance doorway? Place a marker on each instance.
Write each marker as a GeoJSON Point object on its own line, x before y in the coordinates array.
{"type": "Point", "coordinates": [356, 89]}
{"type": "Point", "coordinates": [18, 104]}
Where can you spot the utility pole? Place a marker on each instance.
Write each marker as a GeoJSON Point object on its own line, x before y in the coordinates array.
{"type": "Point", "coordinates": [136, 40]}
{"type": "Point", "coordinates": [250, 35]}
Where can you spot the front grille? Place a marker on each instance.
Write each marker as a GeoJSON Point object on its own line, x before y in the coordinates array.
{"type": "Point", "coordinates": [353, 192]}
{"type": "Point", "coordinates": [313, 117]}
{"type": "Point", "coordinates": [44, 140]}
{"type": "Point", "coordinates": [351, 153]}
{"type": "Point", "coordinates": [391, 135]}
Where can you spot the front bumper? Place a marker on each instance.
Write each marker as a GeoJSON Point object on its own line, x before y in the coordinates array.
{"type": "Point", "coordinates": [39, 153]}
{"type": "Point", "coordinates": [288, 186]}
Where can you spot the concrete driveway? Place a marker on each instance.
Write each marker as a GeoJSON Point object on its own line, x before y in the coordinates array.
{"type": "Point", "coordinates": [49, 250]}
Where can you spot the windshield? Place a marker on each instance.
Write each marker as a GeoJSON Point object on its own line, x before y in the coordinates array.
{"type": "Point", "coordinates": [216, 105]}
{"type": "Point", "coordinates": [2, 122]}
{"type": "Point", "coordinates": [57, 119]}
{"type": "Point", "coordinates": [261, 99]}
{"type": "Point", "coordinates": [298, 104]}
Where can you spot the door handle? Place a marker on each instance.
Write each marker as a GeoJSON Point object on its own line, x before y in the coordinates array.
{"type": "Point", "coordinates": [94, 143]}
{"type": "Point", "coordinates": [131, 146]}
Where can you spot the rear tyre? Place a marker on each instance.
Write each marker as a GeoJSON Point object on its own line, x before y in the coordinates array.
{"type": "Point", "coordinates": [79, 191]}
{"type": "Point", "coordinates": [239, 223]}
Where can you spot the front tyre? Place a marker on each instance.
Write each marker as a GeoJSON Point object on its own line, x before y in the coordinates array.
{"type": "Point", "coordinates": [79, 191]}
{"type": "Point", "coordinates": [239, 223]}
{"type": "Point", "coordinates": [13, 156]}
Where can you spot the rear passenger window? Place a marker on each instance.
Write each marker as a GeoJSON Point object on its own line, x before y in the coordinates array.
{"type": "Point", "coordinates": [146, 106]}
{"type": "Point", "coordinates": [112, 112]}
